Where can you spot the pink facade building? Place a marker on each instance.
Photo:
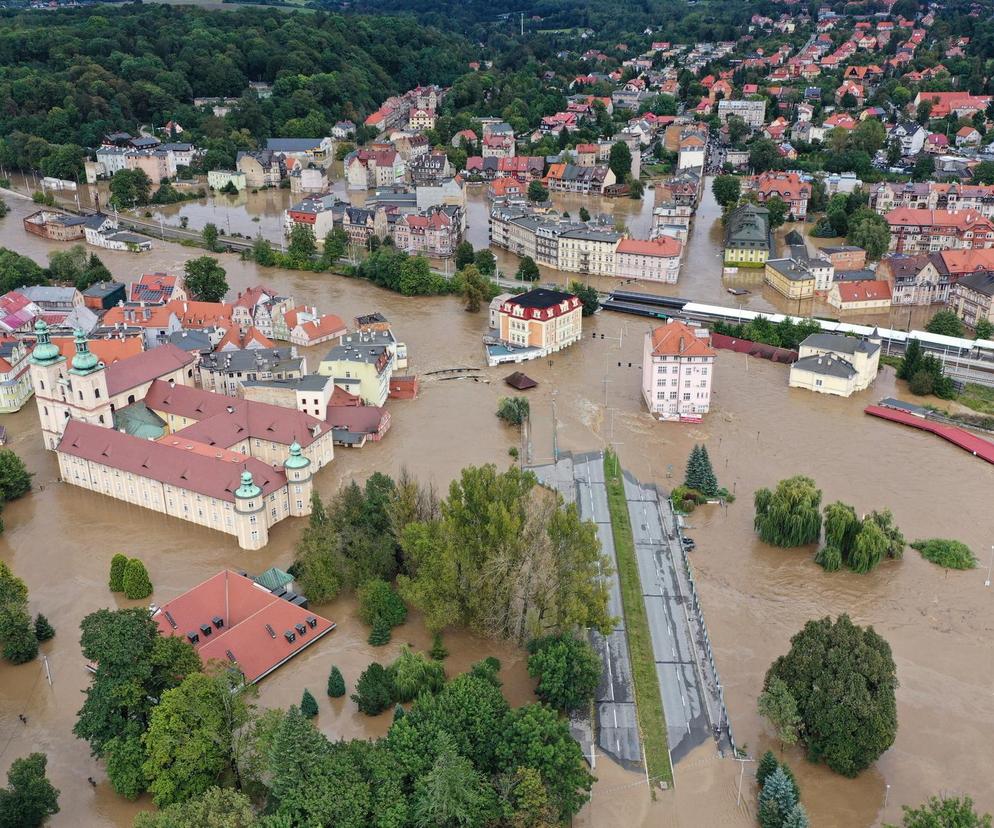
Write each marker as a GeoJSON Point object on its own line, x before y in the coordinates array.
{"type": "Point", "coordinates": [677, 368]}
{"type": "Point", "coordinates": [657, 260]}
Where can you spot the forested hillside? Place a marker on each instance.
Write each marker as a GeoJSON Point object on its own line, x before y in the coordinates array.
{"type": "Point", "coordinates": [67, 78]}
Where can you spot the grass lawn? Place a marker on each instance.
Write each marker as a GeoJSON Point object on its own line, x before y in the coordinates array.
{"type": "Point", "coordinates": [978, 397]}
{"type": "Point", "coordinates": [648, 701]}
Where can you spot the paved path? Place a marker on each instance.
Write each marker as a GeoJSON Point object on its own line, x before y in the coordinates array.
{"type": "Point", "coordinates": [580, 479]}
{"type": "Point", "coordinates": [691, 698]}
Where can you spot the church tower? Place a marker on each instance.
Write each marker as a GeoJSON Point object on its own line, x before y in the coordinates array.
{"type": "Point", "coordinates": [61, 394]}
{"type": "Point", "coordinates": [298, 477]}
{"type": "Point", "coordinates": [251, 526]}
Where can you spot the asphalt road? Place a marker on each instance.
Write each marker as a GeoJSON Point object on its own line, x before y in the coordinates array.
{"type": "Point", "coordinates": [580, 479]}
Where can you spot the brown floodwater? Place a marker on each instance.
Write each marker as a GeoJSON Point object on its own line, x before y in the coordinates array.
{"type": "Point", "coordinates": [60, 540]}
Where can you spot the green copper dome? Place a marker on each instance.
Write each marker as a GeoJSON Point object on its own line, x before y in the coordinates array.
{"type": "Point", "coordinates": [248, 488]}
{"type": "Point", "coordinates": [84, 361]}
{"type": "Point", "coordinates": [45, 353]}
{"type": "Point", "coordinates": [296, 460]}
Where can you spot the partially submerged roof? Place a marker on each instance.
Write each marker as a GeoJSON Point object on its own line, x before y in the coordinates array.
{"type": "Point", "coordinates": [520, 381]}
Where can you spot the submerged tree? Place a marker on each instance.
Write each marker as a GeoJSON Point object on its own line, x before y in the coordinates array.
{"type": "Point", "coordinates": [779, 706]}
{"type": "Point", "coordinates": [700, 473]}
{"type": "Point", "coordinates": [789, 516]}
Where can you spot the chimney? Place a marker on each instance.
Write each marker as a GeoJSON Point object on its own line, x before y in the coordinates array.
{"type": "Point", "coordinates": [172, 383]}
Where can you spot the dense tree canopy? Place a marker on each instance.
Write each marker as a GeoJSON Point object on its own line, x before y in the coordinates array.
{"type": "Point", "coordinates": [843, 679]}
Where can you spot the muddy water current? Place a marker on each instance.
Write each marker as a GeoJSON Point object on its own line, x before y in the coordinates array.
{"type": "Point", "coordinates": [60, 540]}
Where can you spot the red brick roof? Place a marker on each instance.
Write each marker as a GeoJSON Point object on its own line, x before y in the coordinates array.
{"type": "Point", "coordinates": [247, 611]}
{"type": "Point", "coordinates": [170, 465]}
{"type": "Point", "coordinates": [324, 326]}
{"type": "Point", "coordinates": [107, 351]}
{"type": "Point", "coordinates": [678, 339]}
{"type": "Point", "coordinates": [958, 219]}
{"type": "Point", "coordinates": [146, 366]}
{"type": "Point", "coordinates": [153, 287]}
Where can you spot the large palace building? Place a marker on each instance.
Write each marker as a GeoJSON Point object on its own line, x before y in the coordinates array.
{"type": "Point", "coordinates": [139, 431]}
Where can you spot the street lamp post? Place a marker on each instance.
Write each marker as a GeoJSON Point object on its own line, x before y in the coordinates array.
{"type": "Point", "coordinates": [990, 566]}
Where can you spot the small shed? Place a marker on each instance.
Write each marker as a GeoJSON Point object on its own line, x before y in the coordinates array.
{"type": "Point", "coordinates": [519, 381]}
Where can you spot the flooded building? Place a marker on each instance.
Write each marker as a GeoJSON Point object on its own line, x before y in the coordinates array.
{"type": "Point", "coordinates": [835, 364]}
{"type": "Point", "coordinates": [677, 370]}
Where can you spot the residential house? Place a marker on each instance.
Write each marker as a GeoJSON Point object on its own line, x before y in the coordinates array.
{"type": "Point", "coordinates": [55, 226]}
{"type": "Point", "coordinates": [835, 364]}
{"type": "Point", "coordinates": [366, 169]}
{"type": "Point", "coordinates": [657, 260]}
{"type": "Point", "coordinates": [320, 213]}
{"type": "Point", "coordinates": [224, 372]}
{"type": "Point", "coordinates": [968, 136]}
{"type": "Point", "coordinates": [367, 356]}
{"type": "Point", "coordinates": [535, 324]}
{"type": "Point", "coordinates": [753, 112]}
{"type": "Point", "coordinates": [677, 371]}
{"type": "Point", "coordinates": [154, 321]}
{"type": "Point", "coordinates": [157, 289]}
{"type": "Point", "coordinates": [962, 104]}
{"type": "Point", "coordinates": [435, 232]}
{"type": "Point", "coordinates": [102, 296]}
{"type": "Point", "coordinates": [306, 150]}
{"type": "Point", "coordinates": [794, 191]}
{"type": "Point", "coordinates": [914, 279]}
{"type": "Point", "coordinates": [429, 169]}
{"type": "Point", "coordinates": [15, 379]}
{"type": "Point", "coordinates": [264, 168]}
{"type": "Point", "coordinates": [748, 239]}
{"type": "Point", "coordinates": [498, 146]}
{"type": "Point", "coordinates": [921, 231]}
{"type": "Point", "coordinates": [420, 120]}
{"type": "Point", "coordinates": [343, 130]}
{"type": "Point", "coordinates": [911, 137]}
{"type": "Point", "coordinates": [570, 178]}
{"type": "Point", "coordinates": [972, 297]}
{"type": "Point", "coordinates": [102, 231]}
{"type": "Point", "coordinates": [360, 224]}
{"type": "Point", "coordinates": [53, 299]}
{"type": "Point", "coordinates": [316, 330]}
{"type": "Point", "coordinates": [220, 179]}
{"type": "Point", "coordinates": [845, 257]}
{"type": "Point", "coordinates": [588, 250]}
{"type": "Point", "coordinates": [860, 296]}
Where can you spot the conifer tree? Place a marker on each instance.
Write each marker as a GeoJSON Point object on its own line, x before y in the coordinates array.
{"type": "Point", "coordinates": [709, 483]}
{"type": "Point", "coordinates": [778, 791]}
{"type": "Point", "coordinates": [308, 705]}
{"type": "Point", "coordinates": [398, 713]}
{"type": "Point", "coordinates": [336, 684]}
{"type": "Point", "coordinates": [117, 564]}
{"type": "Point", "coordinates": [797, 818]}
{"type": "Point", "coordinates": [380, 634]}
{"type": "Point", "coordinates": [43, 629]}
{"type": "Point", "coordinates": [136, 581]}
{"type": "Point", "coordinates": [767, 764]}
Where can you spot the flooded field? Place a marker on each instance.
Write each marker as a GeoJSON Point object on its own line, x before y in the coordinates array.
{"type": "Point", "coordinates": [60, 540]}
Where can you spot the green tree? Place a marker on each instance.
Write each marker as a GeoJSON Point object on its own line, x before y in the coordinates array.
{"type": "Point", "coordinates": [535, 736]}
{"type": "Point", "coordinates": [789, 515]}
{"type": "Point", "coordinates": [210, 236]}
{"type": "Point", "coordinates": [413, 674]}
{"type": "Point", "coordinates": [417, 279]}
{"type": "Point", "coordinates": [16, 635]}
{"type": "Point", "coordinates": [67, 265]}
{"type": "Point", "coordinates": [336, 683]}
{"type": "Point", "coordinates": [192, 736]}
{"type": "Point", "coordinates": [263, 253]}
{"type": "Point", "coordinates": [485, 262]}
{"type": "Point", "coordinates": [527, 270]}
{"type": "Point", "coordinates": [43, 628]}
{"type": "Point", "coordinates": [95, 271]}
{"type": "Point", "coordinates": [308, 704]}
{"type": "Point", "coordinates": [868, 136]}
{"type": "Point", "coordinates": [129, 188]}
{"type": "Point", "coordinates": [841, 528]}
{"type": "Point", "coordinates": [513, 410]}
{"type": "Point", "coordinates": [843, 679]}
{"type": "Point", "coordinates": [983, 329]}
{"type": "Point", "coordinates": [620, 160]}
{"type": "Point", "coordinates": [767, 764]}
{"type": "Point", "coordinates": [135, 581]}
{"type": "Point", "coordinates": [214, 808]}
{"type": "Point", "coordinates": [911, 362]}
{"type": "Point", "coordinates": [380, 634]}
{"type": "Point", "coordinates": [945, 322]}
{"type": "Point", "coordinates": [302, 245]}
{"type": "Point", "coordinates": [726, 190]}
{"type": "Point", "coordinates": [588, 297]}
{"type": "Point", "coordinates": [778, 210]}
{"type": "Point", "coordinates": [764, 155]}
{"type": "Point", "coordinates": [320, 564]}
{"type": "Point", "coordinates": [983, 173]}
{"type": "Point", "coordinates": [453, 794]}
{"type": "Point", "coordinates": [335, 242]}
{"type": "Point", "coordinates": [134, 666]}
{"type": "Point", "coordinates": [29, 797]}
{"type": "Point", "coordinates": [584, 214]}
{"type": "Point", "coordinates": [568, 671]}
{"type": "Point", "coordinates": [536, 192]}
{"type": "Point", "coordinates": [869, 230]}
{"type": "Point", "coordinates": [379, 602]}
{"type": "Point", "coordinates": [465, 255]}
{"type": "Point", "coordinates": [797, 818]}
{"type": "Point", "coordinates": [205, 279]}
{"type": "Point", "coordinates": [117, 566]}
{"type": "Point", "coordinates": [951, 554]}
{"type": "Point", "coordinates": [374, 690]}
{"type": "Point", "coordinates": [945, 812]}
{"type": "Point", "coordinates": [778, 705]}
{"type": "Point", "coordinates": [700, 474]}
{"type": "Point", "coordinates": [776, 799]}
{"type": "Point", "coordinates": [923, 169]}
{"type": "Point", "coordinates": [475, 288]}
{"type": "Point", "coordinates": [15, 479]}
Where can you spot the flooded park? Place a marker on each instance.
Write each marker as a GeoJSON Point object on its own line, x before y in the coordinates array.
{"type": "Point", "coordinates": [60, 539]}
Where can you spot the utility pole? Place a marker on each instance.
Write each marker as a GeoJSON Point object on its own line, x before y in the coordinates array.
{"type": "Point", "coordinates": [990, 566]}
{"type": "Point", "coordinates": [522, 24]}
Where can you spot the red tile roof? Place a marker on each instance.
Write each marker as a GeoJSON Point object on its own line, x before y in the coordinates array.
{"type": "Point", "coordinates": [247, 419]}
{"type": "Point", "coordinates": [153, 287]}
{"type": "Point", "coordinates": [108, 351]}
{"type": "Point", "coordinates": [247, 611]}
{"type": "Point", "coordinates": [170, 465]}
{"type": "Point", "coordinates": [866, 291]}
{"type": "Point", "coordinates": [660, 246]}
{"type": "Point", "coordinates": [323, 327]}
{"type": "Point", "coordinates": [678, 339]}
{"type": "Point", "coordinates": [146, 366]}
{"type": "Point", "coordinates": [958, 219]}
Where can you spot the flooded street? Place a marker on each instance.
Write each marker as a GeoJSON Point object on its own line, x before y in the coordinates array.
{"type": "Point", "coordinates": [60, 541]}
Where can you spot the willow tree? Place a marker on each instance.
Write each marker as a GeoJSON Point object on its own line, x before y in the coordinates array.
{"type": "Point", "coordinates": [789, 515]}
{"type": "Point", "coordinates": [868, 547]}
{"type": "Point", "coordinates": [841, 527]}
